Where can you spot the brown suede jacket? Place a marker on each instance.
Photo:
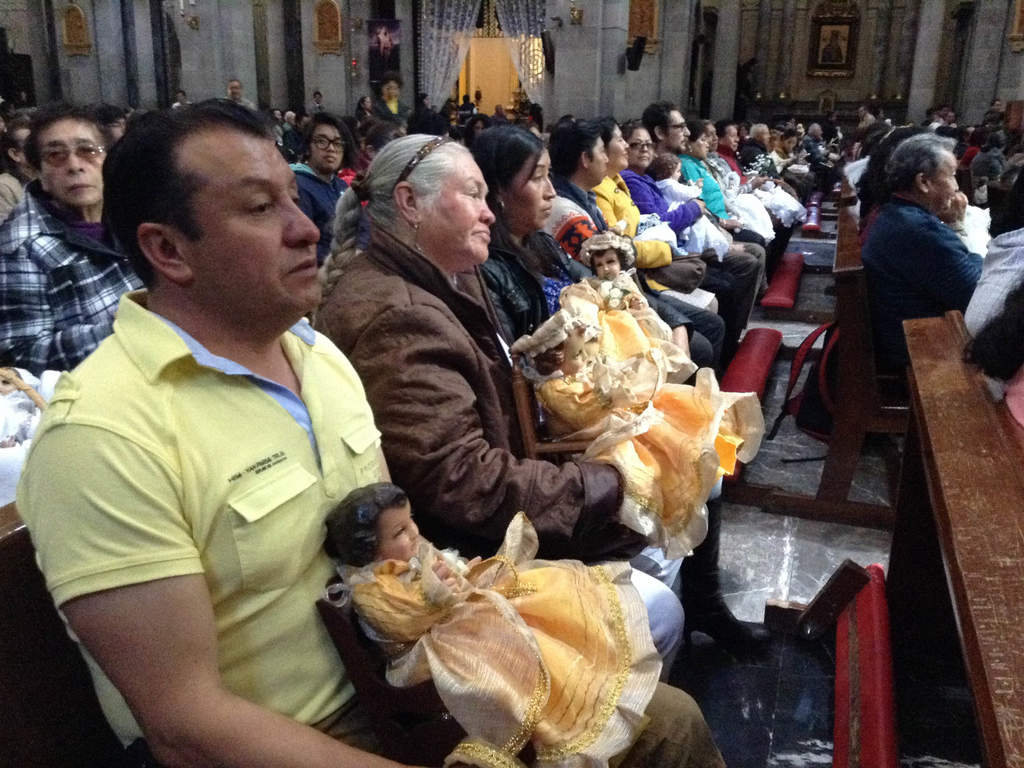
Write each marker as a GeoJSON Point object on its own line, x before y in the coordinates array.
{"type": "Point", "coordinates": [440, 387]}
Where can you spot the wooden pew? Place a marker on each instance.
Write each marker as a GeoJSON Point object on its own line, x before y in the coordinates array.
{"type": "Point", "coordinates": [530, 417]}
{"type": "Point", "coordinates": [863, 404]}
{"type": "Point", "coordinates": [960, 522]}
{"type": "Point", "coordinates": [51, 718]}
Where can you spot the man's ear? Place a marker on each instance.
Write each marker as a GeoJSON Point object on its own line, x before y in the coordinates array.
{"type": "Point", "coordinates": [659, 134]}
{"type": "Point", "coordinates": [162, 246]}
{"type": "Point", "coordinates": [921, 184]}
{"type": "Point", "coordinates": [408, 206]}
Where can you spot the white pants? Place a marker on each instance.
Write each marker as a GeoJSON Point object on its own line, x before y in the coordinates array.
{"type": "Point", "coordinates": [665, 614]}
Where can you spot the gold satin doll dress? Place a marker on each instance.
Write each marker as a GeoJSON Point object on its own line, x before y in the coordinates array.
{"type": "Point", "coordinates": [556, 653]}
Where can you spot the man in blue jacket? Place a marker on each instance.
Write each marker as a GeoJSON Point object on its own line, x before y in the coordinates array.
{"type": "Point", "coordinates": [319, 185]}
{"type": "Point", "coordinates": [915, 263]}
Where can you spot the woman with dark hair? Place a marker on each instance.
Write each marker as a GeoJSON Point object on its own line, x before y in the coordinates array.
{"type": "Point", "coordinates": [364, 108]}
{"type": "Point", "coordinates": [525, 270]}
{"type": "Point", "coordinates": [1003, 268]}
{"type": "Point", "coordinates": [476, 125]}
{"type": "Point", "coordinates": [998, 352]}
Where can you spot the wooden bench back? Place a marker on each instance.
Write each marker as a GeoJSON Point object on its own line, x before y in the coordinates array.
{"type": "Point", "coordinates": [860, 386]}
{"type": "Point", "coordinates": [970, 452]}
{"type": "Point", "coordinates": [51, 717]}
{"type": "Point", "coordinates": [528, 414]}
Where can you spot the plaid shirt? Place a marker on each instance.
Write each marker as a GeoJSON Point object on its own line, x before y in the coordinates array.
{"type": "Point", "coordinates": [58, 289]}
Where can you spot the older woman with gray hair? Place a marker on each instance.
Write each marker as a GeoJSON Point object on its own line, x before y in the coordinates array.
{"type": "Point", "coordinates": [413, 317]}
{"type": "Point", "coordinates": [916, 264]}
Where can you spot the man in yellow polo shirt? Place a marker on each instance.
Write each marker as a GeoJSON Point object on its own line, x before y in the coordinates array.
{"type": "Point", "coordinates": [177, 488]}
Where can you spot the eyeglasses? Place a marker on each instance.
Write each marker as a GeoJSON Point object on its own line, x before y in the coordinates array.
{"type": "Point", "coordinates": [677, 125]}
{"type": "Point", "coordinates": [58, 156]}
{"type": "Point", "coordinates": [641, 145]}
{"type": "Point", "coordinates": [322, 142]}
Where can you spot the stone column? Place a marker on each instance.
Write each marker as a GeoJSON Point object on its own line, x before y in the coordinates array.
{"type": "Point", "coordinates": [783, 80]}
{"type": "Point", "coordinates": [926, 59]}
{"type": "Point", "coordinates": [674, 52]}
{"type": "Point", "coordinates": [764, 28]}
{"type": "Point", "coordinates": [880, 49]}
{"type": "Point", "coordinates": [905, 62]}
{"type": "Point", "coordinates": [261, 49]}
{"type": "Point", "coordinates": [614, 39]}
{"type": "Point", "coordinates": [727, 50]}
{"type": "Point", "coordinates": [131, 56]}
{"type": "Point", "coordinates": [771, 52]}
{"type": "Point", "coordinates": [984, 58]}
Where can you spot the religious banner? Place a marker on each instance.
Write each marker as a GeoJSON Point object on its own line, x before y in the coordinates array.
{"type": "Point", "coordinates": [75, 32]}
{"type": "Point", "coordinates": [385, 37]}
{"type": "Point", "coordinates": [327, 27]}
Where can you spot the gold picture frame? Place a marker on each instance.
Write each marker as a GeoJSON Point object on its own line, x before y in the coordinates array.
{"type": "Point", "coordinates": [75, 32]}
{"type": "Point", "coordinates": [832, 43]}
{"type": "Point", "coordinates": [1016, 36]}
{"type": "Point", "coordinates": [327, 27]}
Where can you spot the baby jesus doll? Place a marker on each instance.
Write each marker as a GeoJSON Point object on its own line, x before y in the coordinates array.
{"type": "Point", "coordinates": [622, 308]}
{"type": "Point", "coordinates": [670, 442]}
{"type": "Point", "coordinates": [551, 652]}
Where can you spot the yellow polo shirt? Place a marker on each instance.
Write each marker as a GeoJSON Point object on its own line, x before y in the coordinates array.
{"type": "Point", "coordinates": [148, 465]}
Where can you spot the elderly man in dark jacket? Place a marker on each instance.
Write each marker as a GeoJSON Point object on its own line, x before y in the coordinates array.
{"type": "Point", "coordinates": [916, 264]}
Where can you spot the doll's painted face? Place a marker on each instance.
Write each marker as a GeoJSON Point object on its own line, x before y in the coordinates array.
{"type": "Point", "coordinates": [398, 538]}
{"type": "Point", "coordinates": [606, 264]}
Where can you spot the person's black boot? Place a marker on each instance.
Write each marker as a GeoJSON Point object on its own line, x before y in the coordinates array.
{"type": "Point", "coordinates": [704, 608]}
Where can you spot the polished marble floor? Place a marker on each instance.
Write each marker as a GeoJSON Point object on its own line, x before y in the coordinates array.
{"type": "Point", "coordinates": [778, 710]}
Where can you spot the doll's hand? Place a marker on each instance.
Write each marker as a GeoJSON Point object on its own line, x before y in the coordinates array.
{"type": "Point", "coordinates": [444, 573]}
{"type": "Point", "coordinates": [475, 561]}
{"type": "Point", "coordinates": [634, 302]}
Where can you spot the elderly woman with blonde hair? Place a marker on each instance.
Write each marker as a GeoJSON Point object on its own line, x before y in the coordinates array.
{"type": "Point", "coordinates": [412, 315]}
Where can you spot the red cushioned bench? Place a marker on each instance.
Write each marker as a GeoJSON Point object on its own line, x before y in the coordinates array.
{"type": "Point", "coordinates": [751, 367]}
{"type": "Point", "coordinates": [865, 724]}
{"type": "Point", "coordinates": [752, 364]}
{"type": "Point", "coordinates": [782, 290]}
{"type": "Point", "coordinates": [813, 221]}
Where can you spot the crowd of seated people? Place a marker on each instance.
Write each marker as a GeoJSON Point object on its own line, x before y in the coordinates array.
{"type": "Point", "coordinates": [422, 250]}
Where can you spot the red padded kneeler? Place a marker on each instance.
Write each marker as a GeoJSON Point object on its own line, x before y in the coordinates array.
{"type": "Point", "coordinates": [781, 293]}
{"type": "Point", "coordinates": [752, 364]}
{"type": "Point", "coordinates": [813, 221]}
{"type": "Point", "coordinates": [865, 726]}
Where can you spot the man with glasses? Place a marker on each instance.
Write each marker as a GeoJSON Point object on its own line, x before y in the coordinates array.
{"type": "Point", "coordinates": [61, 274]}
{"type": "Point", "coordinates": [666, 126]}
{"type": "Point", "coordinates": [327, 139]}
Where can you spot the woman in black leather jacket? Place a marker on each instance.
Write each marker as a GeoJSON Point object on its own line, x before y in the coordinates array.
{"type": "Point", "coordinates": [525, 269]}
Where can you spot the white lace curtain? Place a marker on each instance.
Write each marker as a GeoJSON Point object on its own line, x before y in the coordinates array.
{"type": "Point", "coordinates": [446, 27]}
{"type": "Point", "coordinates": [522, 22]}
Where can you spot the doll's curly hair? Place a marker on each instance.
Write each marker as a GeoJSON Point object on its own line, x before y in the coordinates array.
{"type": "Point", "coordinates": [352, 524]}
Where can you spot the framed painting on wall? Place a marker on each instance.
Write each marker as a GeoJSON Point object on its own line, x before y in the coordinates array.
{"type": "Point", "coordinates": [832, 42]}
{"type": "Point", "coordinates": [1016, 36]}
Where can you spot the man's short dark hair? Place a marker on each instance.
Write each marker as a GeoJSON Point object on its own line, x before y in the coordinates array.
{"type": "Point", "coordinates": [327, 118]}
{"type": "Point", "coordinates": [142, 177]}
{"type": "Point", "coordinates": [723, 125]}
{"type": "Point", "coordinates": [108, 114]}
{"type": "Point", "coordinates": [569, 140]}
{"type": "Point", "coordinates": [49, 114]}
{"type": "Point", "coordinates": [391, 77]}
{"type": "Point", "coordinates": [317, 93]}
{"type": "Point", "coordinates": [657, 116]}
